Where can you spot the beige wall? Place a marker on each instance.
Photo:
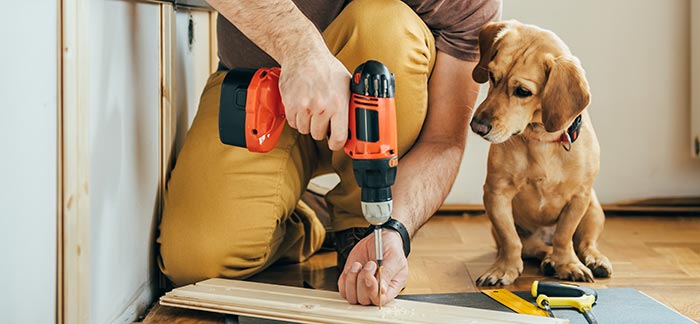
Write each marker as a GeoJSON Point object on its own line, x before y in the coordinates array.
{"type": "Point", "coordinates": [637, 57]}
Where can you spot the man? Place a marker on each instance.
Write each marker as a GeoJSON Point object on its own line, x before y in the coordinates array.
{"type": "Point", "coordinates": [232, 213]}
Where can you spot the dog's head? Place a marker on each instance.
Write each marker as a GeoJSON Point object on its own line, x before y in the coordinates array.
{"type": "Point", "coordinates": [534, 80]}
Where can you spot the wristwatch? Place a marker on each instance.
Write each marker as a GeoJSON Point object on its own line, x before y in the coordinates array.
{"type": "Point", "coordinates": [397, 226]}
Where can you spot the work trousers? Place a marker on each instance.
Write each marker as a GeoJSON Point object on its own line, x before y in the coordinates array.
{"type": "Point", "coordinates": [231, 213]}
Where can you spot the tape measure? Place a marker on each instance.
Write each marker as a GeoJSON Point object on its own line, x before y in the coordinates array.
{"type": "Point", "coordinates": [514, 302]}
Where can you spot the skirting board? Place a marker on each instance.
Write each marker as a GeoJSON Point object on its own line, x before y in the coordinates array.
{"type": "Point", "coordinates": [317, 306]}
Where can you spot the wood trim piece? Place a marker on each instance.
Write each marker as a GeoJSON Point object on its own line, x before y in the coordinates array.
{"type": "Point", "coordinates": [213, 44]}
{"type": "Point", "coordinates": [673, 205]}
{"type": "Point", "coordinates": [74, 163]}
{"type": "Point", "coordinates": [167, 95]}
{"type": "Point", "coordinates": [317, 306]}
{"type": "Point", "coordinates": [461, 208]}
{"type": "Point", "coordinates": [167, 109]}
{"type": "Point", "coordinates": [695, 79]}
{"type": "Point", "coordinates": [59, 179]}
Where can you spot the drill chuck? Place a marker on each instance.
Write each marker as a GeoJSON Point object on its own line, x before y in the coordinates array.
{"type": "Point", "coordinates": [377, 213]}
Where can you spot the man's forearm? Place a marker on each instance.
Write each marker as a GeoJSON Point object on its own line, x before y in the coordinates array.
{"type": "Point", "coordinates": [278, 27]}
{"type": "Point", "coordinates": [424, 179]}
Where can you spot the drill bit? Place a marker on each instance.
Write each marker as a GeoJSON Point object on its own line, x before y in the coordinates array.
{"type": "Point", "coordinates": [378, 251]}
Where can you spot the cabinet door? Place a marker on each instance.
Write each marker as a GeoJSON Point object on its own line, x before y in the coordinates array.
{"type": "Point", "coordinates": [124, 156]}
{"type": "Point", "coordinates": [191, 66]}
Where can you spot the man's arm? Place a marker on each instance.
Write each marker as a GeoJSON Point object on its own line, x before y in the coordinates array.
{"type": "Point", "coordinates": [313, 83]}
{"type": "Point", "coordinates": [424, 179]}
{"type": "Point", "coordinates": [427, 172]}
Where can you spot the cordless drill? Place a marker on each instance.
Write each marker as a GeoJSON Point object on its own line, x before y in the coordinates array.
{"type": "Point", "coordinates": [251, 115]}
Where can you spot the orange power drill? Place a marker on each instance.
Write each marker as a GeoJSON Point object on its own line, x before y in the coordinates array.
{"type": "Point", "coordinates": [251, 115]}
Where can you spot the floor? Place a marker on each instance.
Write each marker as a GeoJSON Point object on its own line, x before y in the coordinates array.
{"type": "Point", "coordinates": [659, 256]}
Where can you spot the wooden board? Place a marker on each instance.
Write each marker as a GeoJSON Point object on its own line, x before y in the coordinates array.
{"type": "Point", "coordinates": [695, 79]}
{"type": "Point", "coordinates": [73, 298]}
{"type": "Point", "coordinates": [673, 205]}
{"type": "Point", "coordinates": [317, 306]}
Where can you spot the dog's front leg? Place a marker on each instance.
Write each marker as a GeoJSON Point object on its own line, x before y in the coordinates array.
{"type": "Point", "coordinates": [509, 264]}
{"type": "Point", "coordinates": [563, 260]}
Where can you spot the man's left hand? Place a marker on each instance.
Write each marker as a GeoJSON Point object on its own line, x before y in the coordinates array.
{"type": "Point", "coordinates": [358, 282]}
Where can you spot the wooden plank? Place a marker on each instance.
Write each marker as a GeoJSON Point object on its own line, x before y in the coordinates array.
{"type": "Point", "coordinates": [74, 284]}
{"type": "Point", "coordinates": [317, 306]}
{"type": "Point", "coordinates": [695, 79]}
{"type": "Point", "coordinates": [461, 208]}
{"type": "Point", "coordinates": [167, 111]}
{"type": "Point", "coordinates": [662, 201]}
{"type": "Point", "coordinates": [213, 44]}
{"type": "Point", "coordinates": [681, 208]}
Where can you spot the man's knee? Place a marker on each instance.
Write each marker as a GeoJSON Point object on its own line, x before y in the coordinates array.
{"type": "Point", "coordinates": [235, 250]}
{"type": "Point", "coordinates": [387, 22]}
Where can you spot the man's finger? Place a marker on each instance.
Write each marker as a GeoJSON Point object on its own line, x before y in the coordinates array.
{"type": "Point", "coordinates": [367, 284]}
{"type": "Point", "coordinates": [319, 126]}
{"type": "Point", "coordinates": [303, 120]}
{"type": "Point", "coordinates": [339, 130]}
{"type": "Point", "coordinates": [351, 283]}
{"type": "Point", "coordinates": [291, 119]}
{"type": "Point", "coordinates": [341, 281]}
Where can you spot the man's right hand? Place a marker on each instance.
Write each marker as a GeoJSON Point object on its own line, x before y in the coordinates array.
{"type": "Point", "coordinates": [315, 86]}
{"type": "Point", "coordinates": [315, 92]}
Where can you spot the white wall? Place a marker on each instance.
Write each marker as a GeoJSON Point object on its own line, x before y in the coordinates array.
{"type": "Point", "coordinates": [636, 55]}
{"type": "Point", "coordinates": [28, 168]}
{"type": "Point", "coordinates": [124, 97]}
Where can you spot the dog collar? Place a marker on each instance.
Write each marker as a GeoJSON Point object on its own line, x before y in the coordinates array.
{"type": "Point", "coordinates": [571, 134]}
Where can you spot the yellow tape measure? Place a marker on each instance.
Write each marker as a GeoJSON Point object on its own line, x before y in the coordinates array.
{"type": "Point", "coordinates": [514, 302]}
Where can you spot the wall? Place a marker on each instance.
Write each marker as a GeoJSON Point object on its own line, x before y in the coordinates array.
{"type": "Point", "coordinates": [28, 168]}
{"type": "Point", "coordinates": [636, 55]}
{"type": "Point", "coordinates": [124, 103]}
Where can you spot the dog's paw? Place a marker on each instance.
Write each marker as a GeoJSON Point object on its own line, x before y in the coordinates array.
{"type": "Point", "coordinates": [571, 271]}
{"type": "Point", "coordinates": [599, 265]}
{"type": "Point", "coordinates": [501, 273]}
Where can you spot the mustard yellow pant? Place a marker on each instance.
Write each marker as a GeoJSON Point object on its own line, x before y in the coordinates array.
{"type": "Point", "coordinates": [231, 213]}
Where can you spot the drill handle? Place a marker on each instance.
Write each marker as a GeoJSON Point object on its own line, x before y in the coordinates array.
{"type": "Point", "coordinates": [581, 303]}
{"type": "Point", "coordinates": [556, 289]}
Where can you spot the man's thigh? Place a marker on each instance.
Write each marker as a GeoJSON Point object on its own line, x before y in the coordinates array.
{"type": "Point", "coordinates": [226, 209]}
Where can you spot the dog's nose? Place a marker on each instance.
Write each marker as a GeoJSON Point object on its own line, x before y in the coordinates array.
{"type": "Point", "coordinates": [480, 127]}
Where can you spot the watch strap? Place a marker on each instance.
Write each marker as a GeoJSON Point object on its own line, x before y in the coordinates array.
{"type": "Point", "coordinates": [399, 227]}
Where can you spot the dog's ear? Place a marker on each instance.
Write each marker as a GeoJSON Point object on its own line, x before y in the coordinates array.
{"type": "Point", "coordinates": [565, 94]}
{"type": "Point", "coordinates": [487, 40]}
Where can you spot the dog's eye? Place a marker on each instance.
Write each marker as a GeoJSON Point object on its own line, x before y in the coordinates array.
{"type": "Point", "coordinates": [522, 92]}
{"type": "Point", "coordinates": [493, 79]}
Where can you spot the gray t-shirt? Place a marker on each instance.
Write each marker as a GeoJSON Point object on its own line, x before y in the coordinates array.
{"type": "Point", "coordinates": [454, 23]}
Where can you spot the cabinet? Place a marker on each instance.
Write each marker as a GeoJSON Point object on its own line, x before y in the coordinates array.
{"type": "Point", "coordinates": [131, 87]}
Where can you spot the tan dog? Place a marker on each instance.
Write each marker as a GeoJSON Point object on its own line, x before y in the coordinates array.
{"type": "Point", "coordinates": [541, 166]}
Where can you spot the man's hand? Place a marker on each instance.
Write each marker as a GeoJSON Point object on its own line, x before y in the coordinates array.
{"type": "Point", "coordinates": [315, 86]}
{"type": "Point", "coordinates": [315, 92]}
{"type": "Point", "coordinates": [358, 282]}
